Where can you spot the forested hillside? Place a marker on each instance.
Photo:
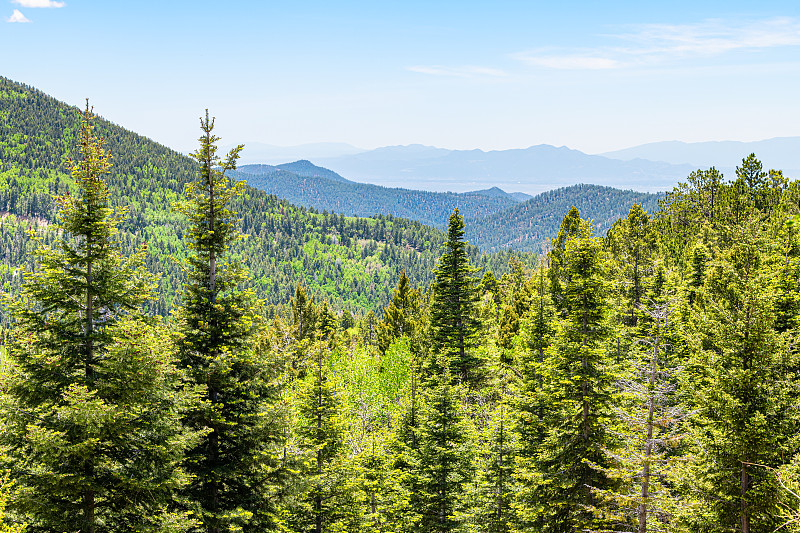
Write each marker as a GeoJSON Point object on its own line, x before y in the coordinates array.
{"type": "Point", "coordinates": [525, 226]}
{"type": "Point", "coordinates": [350, 261]}
{"type": "Point", "coordinates": [325, 193]}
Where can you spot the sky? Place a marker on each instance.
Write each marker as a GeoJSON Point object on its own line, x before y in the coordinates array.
{"type": "Point", "coordinates": [594, 76]}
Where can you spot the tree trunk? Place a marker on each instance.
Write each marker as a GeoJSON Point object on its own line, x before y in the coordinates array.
{"type": "Point", "coordinates": [648, 447]}
{"type": "Point", "coordinates": [743, 502]}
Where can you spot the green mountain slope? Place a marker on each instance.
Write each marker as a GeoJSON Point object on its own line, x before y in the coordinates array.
{"type": "Point", "coordinates": [352, 262]}
{"type": "Point", "coordinates": [302, 168]}
{"type": "Point", "coordinates": [311, 188]}
{"type": "Point", "coordinates": [525, 226]}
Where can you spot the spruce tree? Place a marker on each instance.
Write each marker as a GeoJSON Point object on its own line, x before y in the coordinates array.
{"type": "Point", "coordinates": [216, 321]}
{"type": "Point", "coordinates": [92, 414]}
{"type": "Point", "coordinates": [443, 459]}
{"type": "Point", "coordinates": [455, 327]}
{"type": "Point", "coordinates": [322, 506]}
{"type": "Point", "coordinates": [573, 458]}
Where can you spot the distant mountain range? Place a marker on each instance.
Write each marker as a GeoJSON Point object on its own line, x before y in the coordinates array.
{"type": "Point", "coordinates": [780, 153]}
{"type": "Point", "coordinates": [256, 152]}
{"type": "Point", "coordinates": [305, 184]}
{"type": "Point", "coordinates": [648, 167]}
{"type": "Point", "coordinates": [531, 170]}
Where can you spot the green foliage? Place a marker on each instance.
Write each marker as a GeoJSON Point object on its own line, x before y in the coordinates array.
{"type": "Point", "coordinates": [324, 497]}
{"type": "Point", "coordinates": [326, 193]}
{"type": "Point", "coordinates": [578, 384]}
{"type": "Point", "coordinates": [401, 316]}
{"type": "Point", "coordinates": [526, 226]}
{"type": "Point", "coordinates": [442, 463]}
{"type": "Point", "coordinates": [234, 461]}
{"type": "Point", "coordinates": [93, 404]}
{"type": "Point", "coordinates": [455, 325]}
{"type": "Point", "coordinates": [738, 367]}
{"type": "Point", "coordinates": [350, 262]}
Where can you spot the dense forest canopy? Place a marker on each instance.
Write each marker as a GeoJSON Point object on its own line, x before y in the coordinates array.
{"type": "Point", "coordinates": [640, 379]}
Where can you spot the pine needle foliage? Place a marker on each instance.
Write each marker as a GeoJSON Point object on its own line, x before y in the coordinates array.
{"type": "Point", "coordinates": [455, 295]}
{"type": "Point", "coordinates": [234, 462]}
{"type": "Point", "coordinates": [93, 408]}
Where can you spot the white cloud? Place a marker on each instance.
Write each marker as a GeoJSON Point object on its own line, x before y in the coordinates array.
{"type": "Point", "coordinates": [659, 43]}
{"type": "Point", "coordinates": [568, 62]}
{"type": "Point", "coordinates": [16, 16]}
{"type": "Point", "coordinates": [38, 3]}
{"type": "Point", "coordinates": [459, 72]}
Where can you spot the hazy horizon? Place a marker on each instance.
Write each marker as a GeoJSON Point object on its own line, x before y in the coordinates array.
{"type": "Point", "coordinates": [458, 75]}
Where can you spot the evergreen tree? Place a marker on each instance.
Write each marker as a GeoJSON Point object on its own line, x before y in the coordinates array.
{"type": "Point", "coordinates": [531, 403]}
{"type": "Point", "coordinates": [216, 322]}
{"type": "Point", "coordinates": [304, 314]}
{"type": "Point", "coordinates": [321, 433]}
{"type": "Point", "coordinates": [399, 316]}
{"type": "Point", "coordinates": [578, 383]}
{"type": "Point", "coordinates": [443, 458]}
{"type": "Point", "coordinates": [92, 415]}
{"type": "Point", "coordinates": [455, 327]}
{"type": "Point", "coordinates": [570, 227]}
{"type": "Point", "coordinates": [742, 386]}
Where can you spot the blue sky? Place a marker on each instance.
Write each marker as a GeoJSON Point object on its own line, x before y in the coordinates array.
{"type": "Point", "coordinates": [595, 76]}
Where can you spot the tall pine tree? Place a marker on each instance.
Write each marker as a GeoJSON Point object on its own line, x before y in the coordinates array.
{"type": "Point", "coordinates": [578, 381]}
{"type": "Point", "coordinates": [92, 415]}
{"type": "Point", "coordinates": [455, 327]}
{"type": "Point", "coordinates": [216, 321]}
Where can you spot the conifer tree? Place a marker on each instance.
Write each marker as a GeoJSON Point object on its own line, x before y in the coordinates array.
{"type": "Point", "coordinates": [321, 433]}
{"type": "Point", "coordinates": [442, 467]}
{"type": "Point", "coordinates": [570, 226]}
{"type": "Point", "coordinates": [92, 415]}
{"type": "Point", "coordinates": [453, 319]}
{"type": "Point", "coordinates": [742, 386]}
{"type": "Point", "coordinates": [216, 322]}
{"type": "Point", "coordinates": [493, 484]}
{"type": "Point", "coordinates": [573, 458]}
{"type": "Point", "coordinates": [304, 314]}
{"type": "Point", "coordinates": [531, 403]}
{"type": "Point", "coordinates": [399, 316]}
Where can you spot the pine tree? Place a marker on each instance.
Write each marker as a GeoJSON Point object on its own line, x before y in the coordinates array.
{"type": "Point", "coordinates": [531, 402]}
{"type": "Point", "coordinates": [216, 322]}
{"type": "Point", "coordinates": [399, 317]}
{"type": "Point", "coordinates": [741, 383]}
{"type": "Point", "coordinates": [578, 382]}
{"type": "Point", "coordinates": [92, 414]}
{"type": "Point", "coordinates": [442, 467]}
{"type": "Point", "coordinates": [455, 327]}
{"type": "Point", "coordinates": [304, 314]}
{"type": "Point", "coordinates": [322, 439]}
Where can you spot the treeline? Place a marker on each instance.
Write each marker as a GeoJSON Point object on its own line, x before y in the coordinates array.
{"type": "Point", "coordinates": [349, 262]}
